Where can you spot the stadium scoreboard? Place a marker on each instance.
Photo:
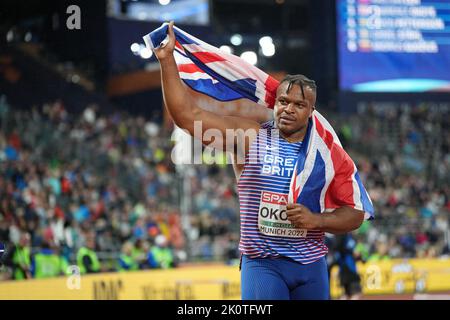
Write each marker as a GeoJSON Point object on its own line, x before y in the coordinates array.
{"type": "Point", "coordinates": [393, 45]}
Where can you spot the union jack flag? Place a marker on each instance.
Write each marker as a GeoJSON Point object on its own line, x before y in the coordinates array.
{"type": "Point", "coordinates": [325, 177]}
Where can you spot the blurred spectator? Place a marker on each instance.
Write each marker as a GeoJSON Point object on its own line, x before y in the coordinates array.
{"type": "Point", "coordinates": [87, 259]}
{"type": "Point", "coordinates": [47, 262]}
{"type": "Point", "coordinates": [126, 259]}
{"type": "Point", "coordinates": [161, 254]}
{"type": "Point", "coordinates": [21, 258]}
{"type": "Point", "coordinates": [139, 253]}
{"type": "Point", "coordinates": [346, 260]}
{"type": "Point", "coordinates": [66, 178]}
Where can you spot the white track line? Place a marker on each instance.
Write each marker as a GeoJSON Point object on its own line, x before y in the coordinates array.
{"type": "Point", "coordinates": [431, 297]}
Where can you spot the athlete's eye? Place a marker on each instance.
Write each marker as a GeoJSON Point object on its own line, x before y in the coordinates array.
{"type": "Point", "coordinates": [282, 101]}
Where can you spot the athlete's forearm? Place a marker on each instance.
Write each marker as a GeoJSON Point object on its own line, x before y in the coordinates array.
{"type": "Point", "coordinates": [341, 220]}
{"type": "Point", "coordinates": [176, 98]}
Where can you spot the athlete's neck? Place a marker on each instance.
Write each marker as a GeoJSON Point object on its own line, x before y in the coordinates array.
{"type": "Point", "coordinates": [294, 137]}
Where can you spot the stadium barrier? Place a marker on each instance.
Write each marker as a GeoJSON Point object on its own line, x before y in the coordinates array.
{"type": "Point", "coordinates": [220, 282]}
{"type": "Point", "coordinates": [398, 276]}
{"type": "Point", "coordinates": [215, 282]}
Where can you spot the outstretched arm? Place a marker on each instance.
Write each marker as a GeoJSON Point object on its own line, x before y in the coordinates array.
{"type": "Point", "coordinates": [182, 107]}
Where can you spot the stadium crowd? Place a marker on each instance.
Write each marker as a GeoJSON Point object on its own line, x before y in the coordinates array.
{"type": "Point", "coordinates": [403, 155]}
{"type": "Point", "coordinates": [101, 191]}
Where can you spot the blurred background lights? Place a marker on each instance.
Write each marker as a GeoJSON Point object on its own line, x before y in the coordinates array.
{"type": "Point", "coordinates": [226, 49]}
{"type": "Point", "coordinates": [28, 37]}
{"type": "Point", "coordinates": [268, 50]}
{"type": "Point", "coordinates": [236, 39]}
{"type": "Point", "coordinates": [135, 48]}
{"type": "Point", "coordinates": [145, 53]}
{"type": "Point", "coordinates": [266, 40]}
{"type": "Point", "coordinates": [250, 57]}
{"type": "Point", "coordinates": [267, 46]}
{"type": "Point", "coordinates": [10, 36]}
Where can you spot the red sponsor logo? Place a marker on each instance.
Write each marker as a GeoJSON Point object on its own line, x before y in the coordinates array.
{"type": "Point", "coordinates": [274, 198]}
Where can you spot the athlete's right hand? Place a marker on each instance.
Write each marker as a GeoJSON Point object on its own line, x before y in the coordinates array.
{"type": "Point", "coordinates": [166, 49]}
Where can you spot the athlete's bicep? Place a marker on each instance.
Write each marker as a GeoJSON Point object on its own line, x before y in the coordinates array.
{"type": "Point", "coordinates": [227, 133]}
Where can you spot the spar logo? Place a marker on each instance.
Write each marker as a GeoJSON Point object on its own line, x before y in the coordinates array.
{"type": "Point", "coordinates": [273, 206]}
{"type": "Point", "coordinates": [272, 218]}
{"type": "Point", "coordinates": [274, 198]}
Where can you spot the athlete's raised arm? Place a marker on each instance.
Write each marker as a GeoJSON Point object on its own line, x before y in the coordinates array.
{"type": "Point", "coordinates": [186, 113]}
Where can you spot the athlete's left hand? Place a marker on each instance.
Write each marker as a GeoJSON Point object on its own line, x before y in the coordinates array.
{"type": "Point", "coordinates": [301, 217]}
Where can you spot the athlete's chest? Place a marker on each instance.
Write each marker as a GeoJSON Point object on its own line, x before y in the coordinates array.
{"type": "Point", "coordinates": [274, 158]}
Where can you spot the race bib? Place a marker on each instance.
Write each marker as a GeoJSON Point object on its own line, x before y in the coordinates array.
{"type": "Point", "coordinates": [272, 217]}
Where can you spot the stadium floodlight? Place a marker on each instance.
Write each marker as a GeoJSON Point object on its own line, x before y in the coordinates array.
{"type": "Point", "coordinates": [250, 57]}
{"type": "Point", "coordinates": [135, 48]}
{"type": "Point", "coordinates": [236, 39]}
{"type": "Point", "coordinates": [75, 78]}
{"type": "Point", "coordinates": [268, 50]}
{"type": "Point", "coordinates": [164, 2]}
{"type": "Point", "coordinates": [226, 49]}
{"type": "Point", "coordinates": [145, 53]}
{"type": "Point", "coordinates": [10, 36]}
{"type": "Point", "coordinates": [267, 46]}
{"type": "Point", "coordinates": [265, 41]}
{"type": "Point", "coordinates": [28, 37]}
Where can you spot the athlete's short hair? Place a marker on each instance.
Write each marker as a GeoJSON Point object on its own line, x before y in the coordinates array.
{"type": "Point", "coordinates": [300, 80]}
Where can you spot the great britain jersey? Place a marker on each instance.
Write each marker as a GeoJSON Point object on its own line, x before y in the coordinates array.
{"type": "Point", "coordinates": [263, 189]}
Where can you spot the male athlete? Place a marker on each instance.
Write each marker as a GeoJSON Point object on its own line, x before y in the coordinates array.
{"type": "Point", "coordinates": [277, 262]}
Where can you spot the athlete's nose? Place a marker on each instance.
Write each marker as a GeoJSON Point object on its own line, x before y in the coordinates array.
{"type": "Point", "coordinates": [289, 108]}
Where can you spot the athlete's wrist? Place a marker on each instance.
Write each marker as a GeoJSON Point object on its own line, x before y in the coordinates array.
{"type": "Point", "coordinates": [320, 221]}
{"type": "Point", "coordinates": [167, 59]}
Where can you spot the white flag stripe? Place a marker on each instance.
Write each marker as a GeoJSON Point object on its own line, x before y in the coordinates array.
{"type": "Point", "coordinates": [356, 192]}
{"type": "Point", "coordinates": [181, 59]}
{"type": "Point", "coordinates": [328, 126]}
{"type": "Point", "coordinates": [231, 60]}
{"type": "Point", "coordinates": [197, 76]}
